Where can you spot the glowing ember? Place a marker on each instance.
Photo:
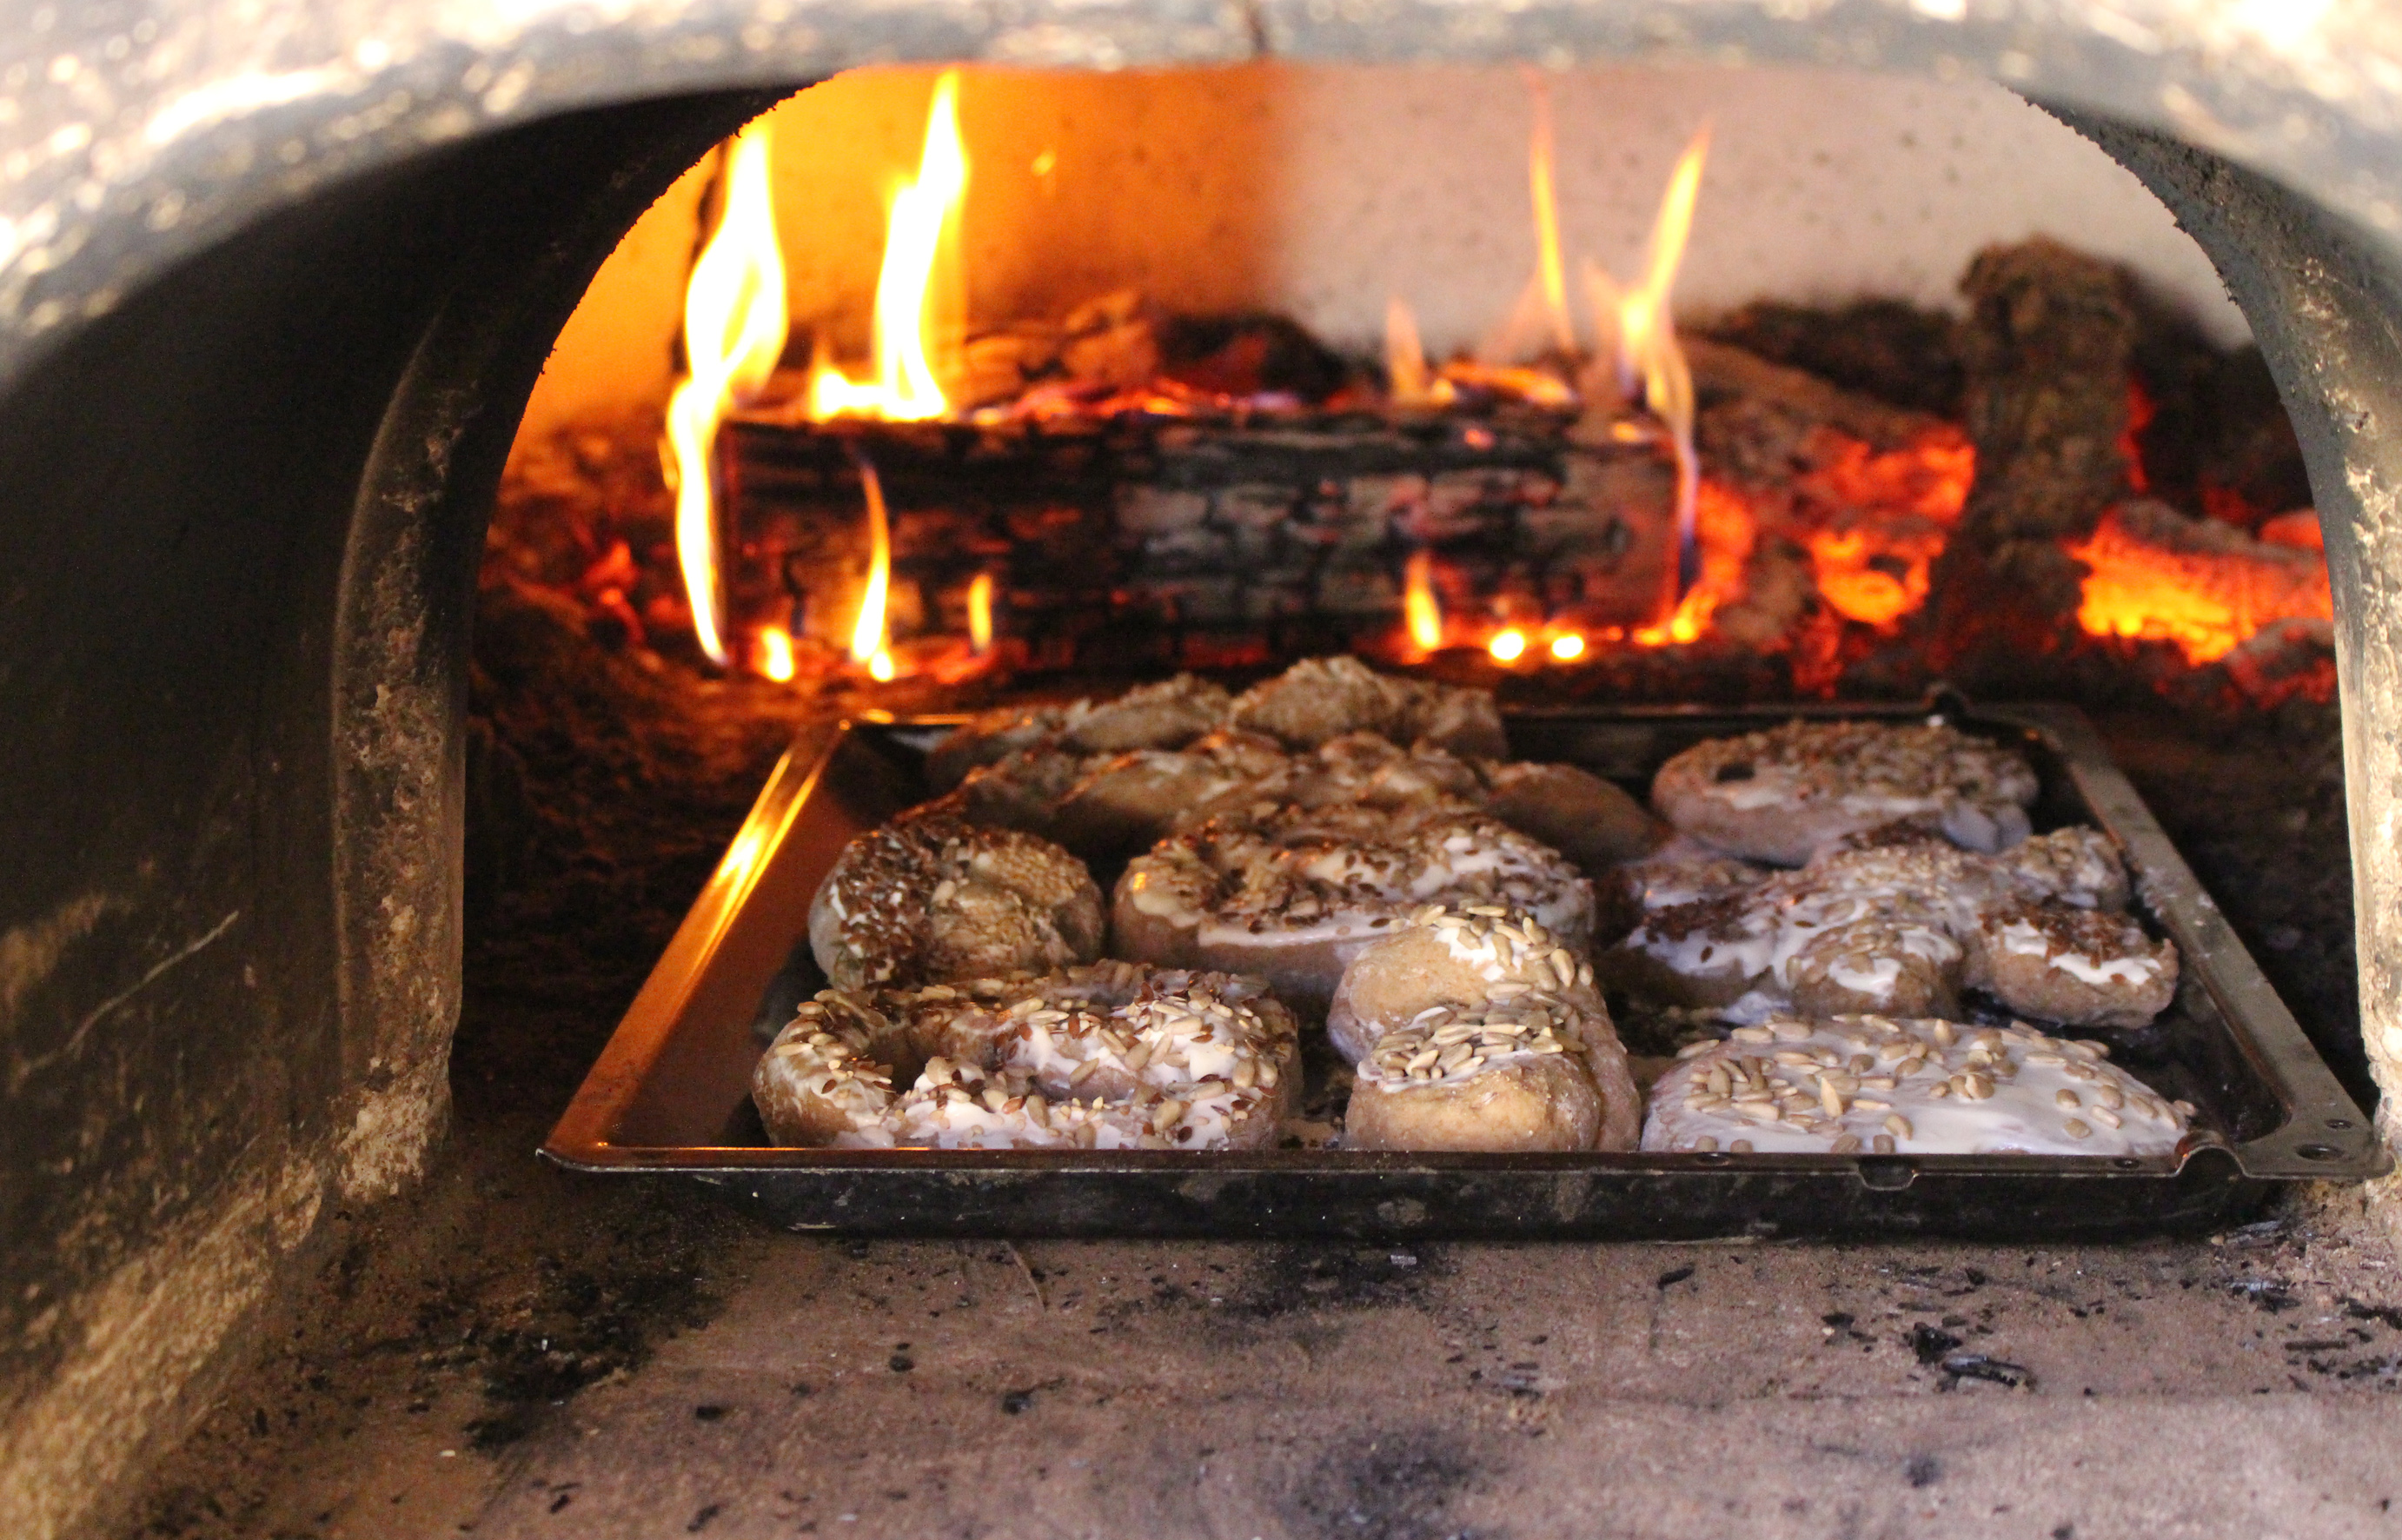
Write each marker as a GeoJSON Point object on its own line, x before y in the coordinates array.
{"type": "Point", "coordinates": [918, 233]}
{"type": "Point", "coordinates": [1420, 609]}
{"type": "Point", "coordinates": [1725, 531]}
{"type": "Point", "coordinates": [1507, 646]}
{"type": "Point", "coordinates": [772, 654]}
{"type": "Point", "coordinates": [980, 613]}
{"type": "Point", "coordinates": [1567, 647]}
{"type": "Point", "coordinates": [2206, 588]}
{"type": "Point", "coordinates": [733, 332]}
{"type": "Point", "coordinates": [869, 646]}
{"type": "Point", "coordinates": [1873, 562]}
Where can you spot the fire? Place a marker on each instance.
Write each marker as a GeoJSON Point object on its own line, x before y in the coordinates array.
{"type": "Point", "coordinates": [1507, 646]}
{"type": "Point", "coordinates": [1550, 271]}
{"type": "Point", "coordinates": [1639, 322]}
{"type": "Point", "coordinates": [2208, 592]}
{"type": "Point", "coordinates": [869, 646]}
{"type": "Point", "coordinates": [772, 654]}
{"type": "Point", "coordinates": [1725, 531]}
{"type": "Point", "coordinates": [1405, 361]}
{"type": "Point", "coordinates": [1420, 609]}
{"type": "Point", "coordinates": [980, 613]}
{"type": "Point", "coordinates": [920, 232]}
{"type": "Point", "coordinates": [734, 328]}
{"type": "Point", "coordinates": [1567, 647]}
{"type": "Point", "coordinates": [1872, 563]}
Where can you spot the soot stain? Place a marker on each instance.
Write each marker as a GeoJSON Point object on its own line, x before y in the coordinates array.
{"type": "Point", "coordinates": [1315, 1276]}
{"type": "Point", "coordinates": [1389, 1486]}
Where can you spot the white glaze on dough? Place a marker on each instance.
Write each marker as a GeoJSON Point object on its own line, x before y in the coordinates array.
{"type": "Point", "coordinates": [1873, 1085]}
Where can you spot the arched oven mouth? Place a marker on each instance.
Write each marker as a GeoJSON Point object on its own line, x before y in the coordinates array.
{"type": "Point", "coordinates": [895, 502]}
{"type": "Point", "coordinates": [346, 700]}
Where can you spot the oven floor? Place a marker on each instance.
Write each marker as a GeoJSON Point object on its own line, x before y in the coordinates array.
{"type": "Point", "coordinates": [2240, 1386]}
{"type": "Point", "coordinates": [513, 1352]}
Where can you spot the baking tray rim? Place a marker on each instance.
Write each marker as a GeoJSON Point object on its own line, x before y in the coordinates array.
{"type": "Point", "coordinates": [2322, 1135]}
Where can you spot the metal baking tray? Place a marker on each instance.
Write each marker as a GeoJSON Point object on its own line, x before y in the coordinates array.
{"type": "Point", "coordinates": [670, 1096]}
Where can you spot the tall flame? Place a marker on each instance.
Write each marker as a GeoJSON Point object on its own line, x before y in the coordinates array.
{"type": "Point", "coordinates": [868, 645]}
{"type": "Point", "coordinates": [918, 233]}
{"type": "Point", "coordinates": [1406, 362]}
{"type": "Point", "coordinates": [734, 326]}
{"type": "Point", "coordinates": [980, 613]}
{"type": "Point", "coordinates": [1550, 271]}
{"type": "Point", "coordinates": [1640, 324]}
{"type": "Point", "coordinates": [1541, 318]}
{"type": "Point", "coordinates": [1420, 609]}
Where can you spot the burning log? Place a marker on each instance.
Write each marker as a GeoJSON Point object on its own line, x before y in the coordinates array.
{"type": "Point", "coordinates": [2045, 348]}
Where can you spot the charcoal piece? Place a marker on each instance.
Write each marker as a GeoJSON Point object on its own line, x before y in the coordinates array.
{"type": "Point", "coordinates": [1246, 356]}
{"type": "Point", "coordinates": [1894, 352]}
{"type": "Point", "coordinates": [2251, 462]}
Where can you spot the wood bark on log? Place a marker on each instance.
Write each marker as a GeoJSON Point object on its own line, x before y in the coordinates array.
{"type": "Point", "coordinates": [2045, 348]}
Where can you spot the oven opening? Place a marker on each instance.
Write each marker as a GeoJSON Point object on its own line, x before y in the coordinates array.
{"type": "Point", "coordinates": [932, 392]}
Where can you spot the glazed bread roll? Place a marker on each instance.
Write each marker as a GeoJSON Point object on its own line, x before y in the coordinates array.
{"type": "Point", "coordinates": [1113, 1056]}
{"type": "Point", "coordinates": [1896, 923]}
{"type": "Point", "coordinates": [1880, 1086]}
{"type": "Point", "coordinates": [1473, 1029]}
{"type": "Point", "coordinates": [1291, 894]}
{"type": "Point", "coordinates": [932, 896]}
{"type": "Point", "coordinates": [1785, 794]}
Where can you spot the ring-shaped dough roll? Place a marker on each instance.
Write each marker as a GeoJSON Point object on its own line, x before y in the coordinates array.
{"type": "Point", "coordinates": [1872, 1085]}
{"type": "Point", "coordinates": [1113, 1056]}
{"type": "Point", "coordinates": [1293, 893]}
{"type": "Point", "coordinates": [1783, 793]}
{"type": "Point", "coordinates": [931, 897]}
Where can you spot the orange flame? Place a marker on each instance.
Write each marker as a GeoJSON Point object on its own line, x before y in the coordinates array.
{"type": "Point", "coordinates": [1638, 325]}
{"type": "Point", "coordinates": [919, 232]}
{"type": "Point", "coordinates": [1550, 271]}
{"type": "Point", "coordinates": [1507, 646]}
{"type": "Point", "coordinates": [2208, 595]}
{"type": "Point", "coordinates": [734, 328]}
{"type": "Point", "coordinates": [1406, 362]}
{"type": "Point", "coordinates": [1726, 531]}
{"type": "Point", "coordinates": [1420, 609]}
{"type": "Point", "coordinates": [869, 646]}
{"type": "Point", "coordinates": [980, 613]}
{"type": "Point", "coordinates": [1896, 511]}
{"type": "Point", "coordinates": [1567, 647]}
{"type": "Point", "coordinates": [772, 654]}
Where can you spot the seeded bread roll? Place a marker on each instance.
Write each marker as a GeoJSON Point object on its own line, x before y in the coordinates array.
{"type": "Point", "coordinates": [1875, 1085]}
{"type": "Point", "coordinates": [1901, 926]}
{"type": "Point", "coordinates": [1325, 698]}
{"type": "Point", "coordinates": [1787, 793]}
{"type": "Point", "coordinates": [1473, 1029]}
{"type": "Point", "coordinates": [1575, 812]}
{"type": "Point", "coordinates": [1442, 956]}
{"type": "Point", "coordinates": [990, 737]}
{"type": "Point", "coordinates": [1127, 802]}
{"type": "Point", "coordinates": [933, 897]}
{"type": "Point", "coordinates": [1292, 893]}
{"type": "Point", "coordinates": [1114, 1056]}
{"type": "Point", "coordinates": [1165, 716]}
{"type": "Point", "coordinates": [2090, 966]}
{"type": "Point", "coordinates": [1515, 1093]}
